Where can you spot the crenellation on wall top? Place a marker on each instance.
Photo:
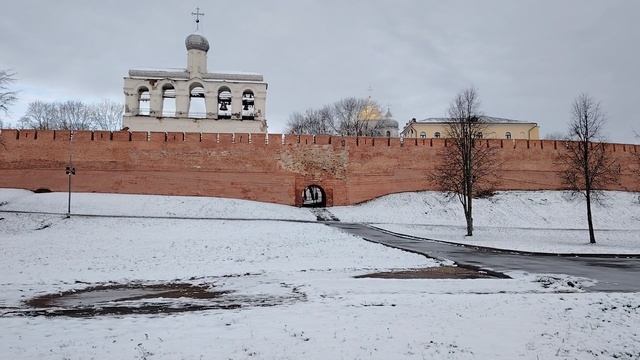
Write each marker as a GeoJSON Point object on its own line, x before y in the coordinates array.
{"type": "Point", "coordinates": [306, 139]}
{"type": "Point", "coordinates": [274, 139]}
{"type": "Point", "coordinates": [28, 134]}
{"type": "Point", "coordinates": [285, 139]}
{"type": "Point", "coordinates": [139, 136]}
{"type": "Point", "coordinates": [192, 137]}
{"type": "Point", "coordinates": [44, 135]}
{"type": "Point", "coordinates": [102, 135]}
{"type": "Point", "coordinates": [121, 136]}
{"type": "Point", "coordinates": [258, 139]}
{"type": "Point", "coordinates": [240, 138]}
{"type": "Point", "coordinates": [174, 137]}
{"type": "Point", "coordinates": [62, 135]}
{"type": "Point", "coordinates": [81, 136]}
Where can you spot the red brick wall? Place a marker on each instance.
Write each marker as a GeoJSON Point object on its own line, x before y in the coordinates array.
{"type": "Point", "coordinates": [273, 169]}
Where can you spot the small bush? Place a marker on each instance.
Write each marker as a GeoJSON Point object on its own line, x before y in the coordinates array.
{"type": "Point", "coordinates": [484, 194]}
{"type": "Point", "coordinates": [42, 190]}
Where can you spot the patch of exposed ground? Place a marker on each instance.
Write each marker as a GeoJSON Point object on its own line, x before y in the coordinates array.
{"type": "Point", "coordinates": [125, 299]}
{"type": "Point", "coordinates": [440, 272]}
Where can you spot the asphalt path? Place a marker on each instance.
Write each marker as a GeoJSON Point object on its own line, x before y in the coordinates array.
{"type": "Point", "coordinates": [612, 274]}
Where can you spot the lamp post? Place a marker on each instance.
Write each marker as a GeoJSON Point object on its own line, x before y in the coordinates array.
{"type": "Point", "coordinates": [70, 171]}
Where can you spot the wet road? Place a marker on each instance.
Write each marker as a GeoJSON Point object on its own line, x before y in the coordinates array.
{"type": "Point", "coordinates": [612, 274]}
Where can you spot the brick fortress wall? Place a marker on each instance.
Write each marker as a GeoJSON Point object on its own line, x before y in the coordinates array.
{"type": "Point", "coordinates": [256, 167]}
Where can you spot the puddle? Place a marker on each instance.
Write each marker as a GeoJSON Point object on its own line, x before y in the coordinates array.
{"type": "Point", "coordinates": [146, 299]}
{"type": "Point", "coordinates": [439, 272]}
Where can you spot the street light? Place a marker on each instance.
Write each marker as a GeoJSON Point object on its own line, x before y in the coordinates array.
{"type": "Point", "coordinates": [70, 171]}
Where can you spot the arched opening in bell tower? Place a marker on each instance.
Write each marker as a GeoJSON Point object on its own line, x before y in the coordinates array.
{"type": "Point", "coordinates": [144, 101]}
{"type": "Point", "coordinates": [224, 103]}
{"type": "Point", "coordinates": [197, 106]}
{"type": "Point", "coordinates": [168, 100]}
{"type": "Point", "coordinates": [248, 108]}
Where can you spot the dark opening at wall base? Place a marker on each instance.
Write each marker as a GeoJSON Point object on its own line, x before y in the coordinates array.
{"type": "Point", "coordinates": [314, 196]}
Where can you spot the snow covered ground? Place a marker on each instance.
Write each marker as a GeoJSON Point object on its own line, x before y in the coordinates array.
{"type": "Point", "coordinates": [540, 221]}
{"type": "Point", "coordinates": [403, 325]}
{"type": "Point", "coordinates": [135, 205]}
{"type": "Point", "coordinates": [531, 316]}
{"type": "Point", "coordinates": [530, 240]}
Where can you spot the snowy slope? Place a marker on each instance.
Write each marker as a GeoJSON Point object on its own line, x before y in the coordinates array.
{"type": "Point", "coordinates": [532, 209]}
{"type": "Point", "coordinates": [529, 240]}
{"type": "Point", "coordinates": [120, 204]}
{"type": "Point", "coordinates": [540, 221]}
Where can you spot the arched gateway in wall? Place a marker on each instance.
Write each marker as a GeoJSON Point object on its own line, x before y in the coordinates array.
{"type": "Point", "coordinates": [314, 196]}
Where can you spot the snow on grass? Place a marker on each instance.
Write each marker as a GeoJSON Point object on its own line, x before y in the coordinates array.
{"type": "Point", "coordinates": [339, 316]}
{"type": "Point", "coordinates": [135, 205]}
{"type": "Point", "coordinates": [92, 250]}
{"type": "Point", "coordinates": [353, 326]}
{"type": "Point", "coordinates": [534, 221]}
{"type": "Point", "coordinates": [529, 240]}
{"type": "Point", "coordinates": [529, 209]}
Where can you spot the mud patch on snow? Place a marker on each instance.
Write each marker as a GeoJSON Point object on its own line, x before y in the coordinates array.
{"type": "Point", "coordinates": [563, 283]}
{"type": "Point", "coordinates": [43, 226]}
{"type": "Point", "coordinates": [439, 272]}
{"type": "Point", "coordinates": [126, 299]}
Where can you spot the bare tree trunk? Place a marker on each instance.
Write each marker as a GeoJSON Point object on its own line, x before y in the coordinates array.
{"type": "Point", "coordinates": [469, 195]}
{"type": "Point", "coordinates": [592, 237]}
{"type": "Point", "coordinates": [469, 218]}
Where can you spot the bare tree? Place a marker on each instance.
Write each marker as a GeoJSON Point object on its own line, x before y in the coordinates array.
{"type": "Point", "coordinates": [297, 124]}
{"type": "Point", "coordinates": [348, 117]}
{"type": "Point", "coordinates": [312, 121]}
{"type": "Point", "coordinates": [586, 166]}
{"type": "Point", "coordinates": [40, 116]}
{"type": "Point", "coordinates": [7, 97]}
{"type": "Point", "coordinates": [72, 115]}
{"type": "Point", "coordinates": [75, 115]}
{"type": "Point", "coordinates": [468, 168]}
{"type": "Point", "coordinates": [555, 136]}
{"type": "Point", "coordinates": [357, 117]}
{"type": "Point", "coordinates": [107, 115]}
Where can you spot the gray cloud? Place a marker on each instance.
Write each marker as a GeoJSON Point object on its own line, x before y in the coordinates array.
{"type": "Point", "coordinates": [529, 59]}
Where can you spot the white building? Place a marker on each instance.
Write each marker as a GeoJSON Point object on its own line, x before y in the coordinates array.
{"type": "Point", "coordinates": [193, 99]}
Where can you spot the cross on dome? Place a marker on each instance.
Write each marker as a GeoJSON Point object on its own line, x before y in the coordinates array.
{"type": "Point", "coordinates": [197, 15]}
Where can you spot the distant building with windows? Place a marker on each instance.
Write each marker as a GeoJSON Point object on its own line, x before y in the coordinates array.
{"type": "Point", "coordinates": [193, 99]}
{"type": "Point", "coordinates": [496, 128]}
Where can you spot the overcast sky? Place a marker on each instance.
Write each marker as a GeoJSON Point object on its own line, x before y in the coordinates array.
{"type": "Point", "coordinates": [528, 59]}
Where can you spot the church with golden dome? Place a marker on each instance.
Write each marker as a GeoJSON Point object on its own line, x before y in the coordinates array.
{"type": "Point", "coordinates": [378, 123]}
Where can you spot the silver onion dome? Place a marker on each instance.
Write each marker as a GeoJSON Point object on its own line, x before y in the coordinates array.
{"type": "Point", "coordinates": [197, 42]}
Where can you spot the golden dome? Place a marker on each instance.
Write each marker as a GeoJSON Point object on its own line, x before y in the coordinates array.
{"type": "Point", "coordinates": [370, 112]}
